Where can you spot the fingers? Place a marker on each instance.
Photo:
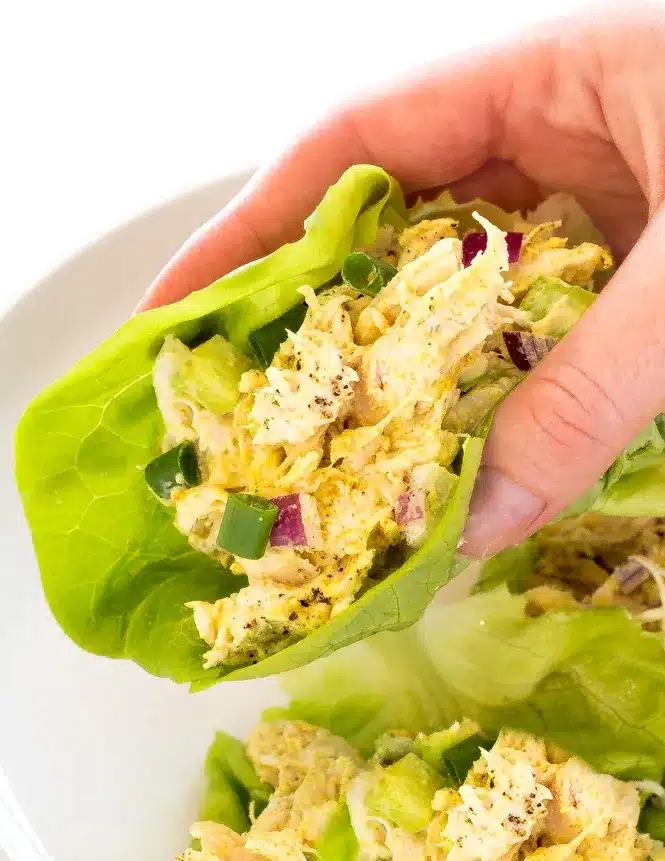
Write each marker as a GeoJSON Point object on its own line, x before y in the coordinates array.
{"type": "Point", "coordinates": [557, 433]}
{"type": "Point", "coordinates": [431, 133]}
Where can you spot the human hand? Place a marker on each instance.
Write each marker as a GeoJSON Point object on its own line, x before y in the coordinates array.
{"type": "Point", "coordinates": [581, 111]}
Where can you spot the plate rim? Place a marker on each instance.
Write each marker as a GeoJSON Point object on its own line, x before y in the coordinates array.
{"type": "Point", "coordinates": [18, 838]}
{"type": "Point", "coordinates": [242, 176]}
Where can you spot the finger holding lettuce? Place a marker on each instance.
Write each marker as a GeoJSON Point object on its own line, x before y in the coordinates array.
{"type": "Point", "coordinates": [554, 438]}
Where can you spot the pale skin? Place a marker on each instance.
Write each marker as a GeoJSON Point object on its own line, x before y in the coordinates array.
{"type": "Point", "coordinates": [582, 111]}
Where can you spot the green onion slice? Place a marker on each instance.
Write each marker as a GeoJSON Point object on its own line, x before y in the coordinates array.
{"type": "Point", "coordinates": [459, 759]}
{"type": "Point", "coordinates": [177, 467]}
{"type": "Point", "coordinates": [246, 525]}
{"type": "Point", "coordinates": [267, 340]}
{"type": "Point", "coordinates": [366, 274]}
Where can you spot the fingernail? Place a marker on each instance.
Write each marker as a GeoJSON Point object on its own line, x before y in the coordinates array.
{"type": "Point", "coordinates": [499, 508]}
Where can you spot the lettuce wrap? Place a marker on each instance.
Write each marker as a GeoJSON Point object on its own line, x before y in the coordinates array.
{"type": "Point", "coordinates": [363, 764]}
{"type": "Point", "coordinates": [104, 506]}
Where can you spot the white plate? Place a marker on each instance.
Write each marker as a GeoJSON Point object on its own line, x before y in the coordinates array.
{"type": "Point", "coordinates": [103, 760]}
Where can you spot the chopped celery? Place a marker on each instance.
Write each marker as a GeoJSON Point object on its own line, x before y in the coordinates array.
{"type": "Point", "coordinates": [432, 747]}
{"type": "Point", "coordinates": [453, 751]}
{"type": "Point", "coordinates": [388, 748]}
{"type": "Point", "coordinates": [554, 306]}
{"type": "Point", "coordinates": [206, 376]}
{"type": "Point", "coordinates": [339, 840]}
{"type": "Point", "coordinates": [217, 367]}
{"type": "Point", "coordinates": [403, 793]}
{"type": "Point", "coordinates": [474, 406]}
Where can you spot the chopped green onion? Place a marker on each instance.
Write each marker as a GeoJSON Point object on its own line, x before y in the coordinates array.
{"type": "Point", "coordinates": [246, 525]}
{"type": "Point", "coordinates": [366, 274]}
{"type": "Point", "coordinates": [267, 340]}
{"type": "Point", "coordinates": [177, 467]}
{"type": "Point", "coordinates": [459, 759]}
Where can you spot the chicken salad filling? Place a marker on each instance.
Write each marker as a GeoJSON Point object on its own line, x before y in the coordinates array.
{"type": "Point", "coordinates": [454, 794]}
{"type": "Point", "coordinates": [596, 560]}
{"type": "Point", "coordinates": [316, 466]}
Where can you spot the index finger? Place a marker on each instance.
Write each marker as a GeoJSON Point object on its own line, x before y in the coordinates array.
{"type": "Point", "coordinates": [433, 132]}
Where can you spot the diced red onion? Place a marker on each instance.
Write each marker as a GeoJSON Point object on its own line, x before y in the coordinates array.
{"type": "Point", "coordinates": [472, 244]}
{"type": "Point", "coordinates": [410, 507]}
{"type": "Point", "coordinates": [526, 350]}
{"type": "Point", "coordinates": [297, 524]}
{"type": "Point", "coordinates": [475, 242]}
{"type": "Point", "coordinates": [630, 575]}
{"type": "Point", "coordinates": [514, 243]}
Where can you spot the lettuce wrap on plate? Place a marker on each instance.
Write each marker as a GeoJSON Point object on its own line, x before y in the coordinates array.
{"type": "Point", "coordinates": [281, 464]}
{"type": "Point", "coordinates": [559, 761]}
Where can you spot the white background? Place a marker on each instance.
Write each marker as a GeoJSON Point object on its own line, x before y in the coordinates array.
{"type": "Point", "coordinates": [108, 108]}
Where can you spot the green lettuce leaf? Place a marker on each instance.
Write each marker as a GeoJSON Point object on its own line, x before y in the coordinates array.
{"type": "Point", "coordinates": [509, 567]}
{"type": "Point", "coordinates": [652, 821]}
{"type": "Point", "coordinates": [444, 205]}
{"type": "Point", "coordinates": [231, 784]}
{"type": "Point", "coordinates": [634, 485]}
{"type": "Point", "coordinates": [232, 787]}
{"type": "Point", "coordinates": [116, 573]}
{"type": "Point", "coordinates": [590, 681]}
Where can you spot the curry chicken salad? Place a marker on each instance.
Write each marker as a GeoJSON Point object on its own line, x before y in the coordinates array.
{"type": "Point", "coordinates": [450, 795]}
{"type": "Point", "coordinates": [593, 560]}
{"type": "Point", "coordinates": [312, 468]}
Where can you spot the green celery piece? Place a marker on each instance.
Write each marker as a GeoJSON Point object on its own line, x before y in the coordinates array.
{"type": "Point", "coordinates": [487, 368]}
{"type": "Point", "coordinates": [388, 748]}
{"type": "Point", "coordinates": [471, 382]}
{"type": "Point", "coordinates": [215, 373]}
{"type": "Point", "coordinates": [403, 793]}
{"type": "Point", "coordinates": [554, 306]}
{"type": "Point", "coordinates": [339, 841]}
{"type": "Point", "coordinates": [435, 747]}
{"type": "Point", "coordinates": [473, 406]}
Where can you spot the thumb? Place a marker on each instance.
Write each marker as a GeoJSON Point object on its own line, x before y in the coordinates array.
{"type": "Point", "coordinates": [563, 426]}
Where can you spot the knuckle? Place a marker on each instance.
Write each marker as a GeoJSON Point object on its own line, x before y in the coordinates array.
{"type": "Point", "coordinates": [573, 410]}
